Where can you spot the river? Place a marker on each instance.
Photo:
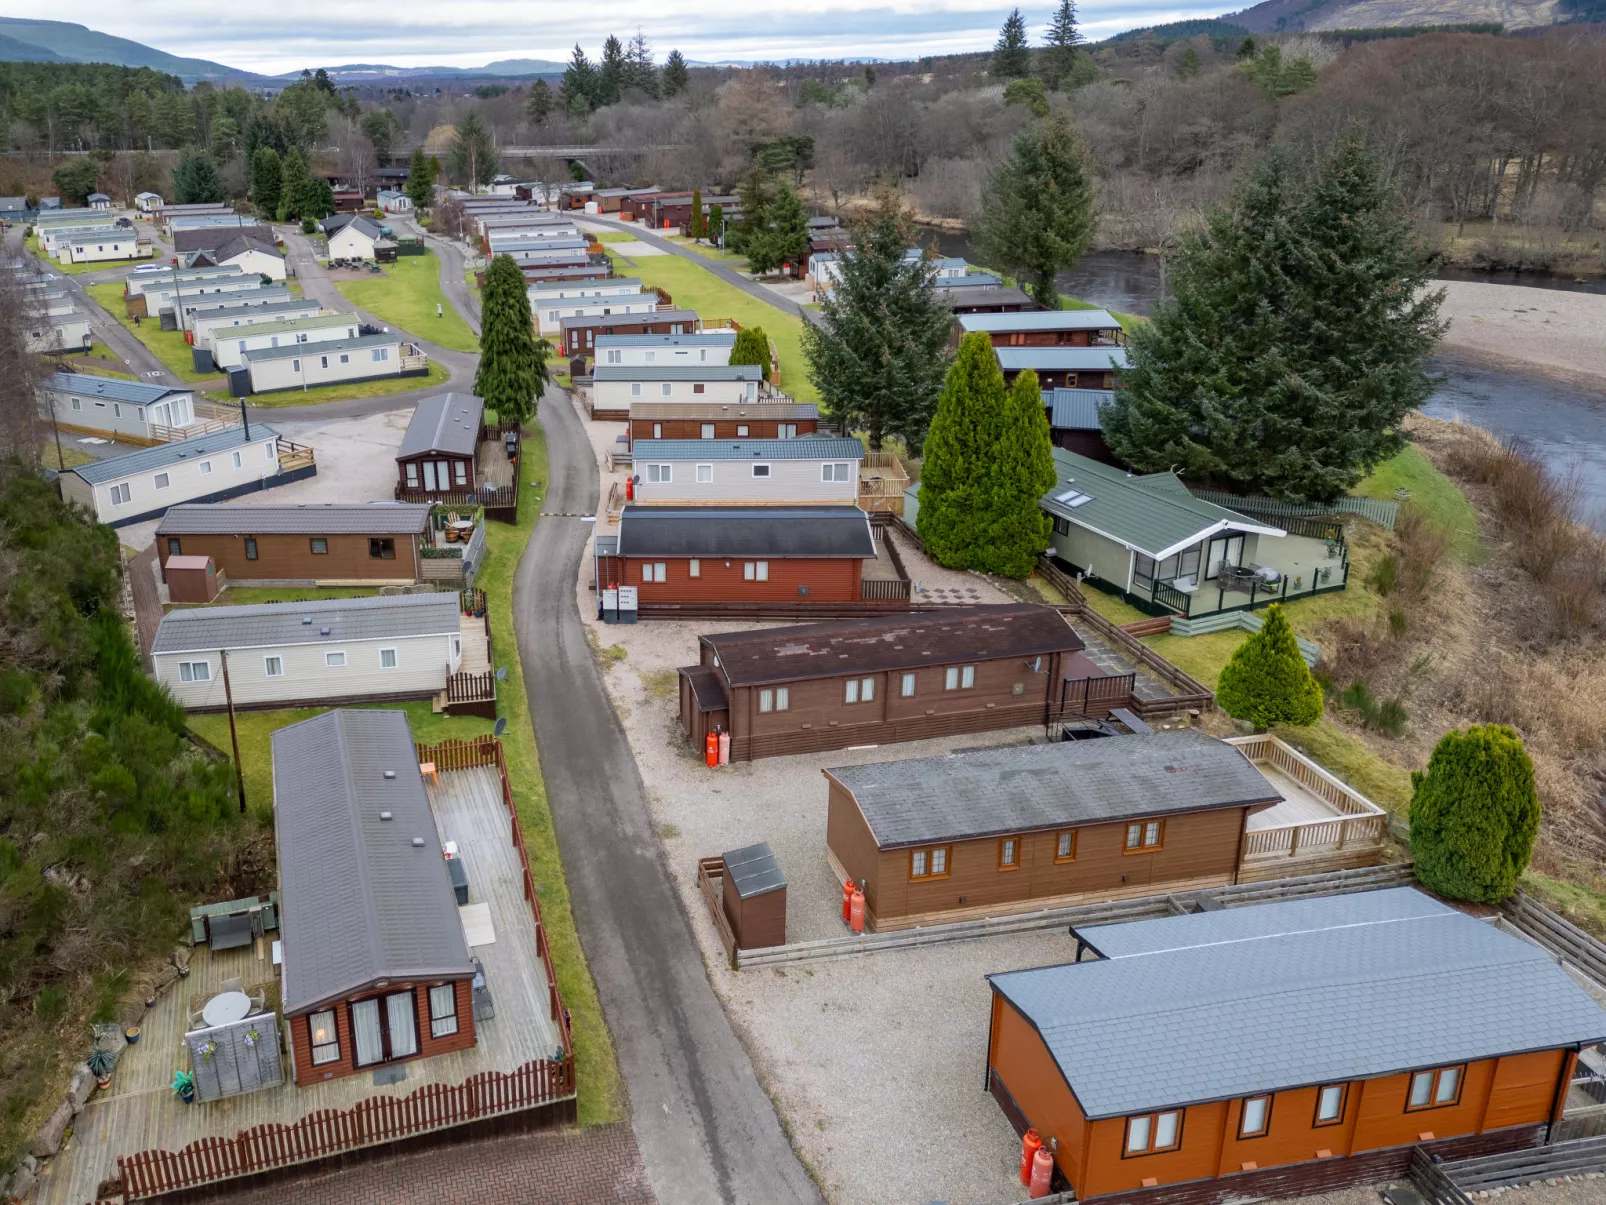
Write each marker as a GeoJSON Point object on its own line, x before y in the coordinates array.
{"type": "Point", "coordinates": [1565, 425]}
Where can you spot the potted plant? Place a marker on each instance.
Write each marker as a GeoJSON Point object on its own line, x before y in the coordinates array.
{"type": "Point", "coordinates": [131, 1034]}
{"type": "Point", "coordinates": [184, 1086]}
{"type": "Point", "coordinates": [101, 1064]}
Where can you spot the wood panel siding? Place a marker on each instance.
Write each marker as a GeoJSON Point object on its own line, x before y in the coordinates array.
{"type": "Point", "coordinates": [289, 558]}
{"type": "Point", "coordinates": [851, 842]}
{"type": "Point", "coordinates": [1088, 338]}
{"type": "Point", "coordinates": [686, 428]}
{"type": "Point", "coordinates": [825, 579]}
{"type": "Point", "coordinates": [1021, 1063]}
{"type": "Point", "coordinates": [416, 484]}
{"type": "Point", "coordinates": [301, 1041]}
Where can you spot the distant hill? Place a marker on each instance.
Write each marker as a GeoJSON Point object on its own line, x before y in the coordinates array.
{"type": "Point", "coordinates": [372, 73]}
{"type": "Point", "coordinates": [61, 41]}
{"type": "Point", "coordinates": [1293, 16]}
{"type": "Point", "coordinates": [1175, 31]}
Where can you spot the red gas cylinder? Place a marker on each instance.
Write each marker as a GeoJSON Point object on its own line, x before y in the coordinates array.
{"type": "Point", "coordinates": [856, 911]}
{"type": "Point", "coordinates": [1042, 1173]}
{"type": "Point", "coordinates": [711, 749]}
{"type": "Point", "coordinates": [630, 488]}
{"type": "Point", "coordinates": [1030, 1144]}
{"type": "Point", "coordinates": [848, 889]}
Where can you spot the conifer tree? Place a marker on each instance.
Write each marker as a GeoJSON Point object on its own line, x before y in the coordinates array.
{"type": "Point", "coordinates": [317, 199]}
{"type": "Point", "coordinates": [1474, 814]}
{"type": "Point", "coordinates": [1012, 58]}
{"type": "Point", "coordinates": [955, 480]}
{"type": "Point", "coordinates": [641, 73]}
{"type": "Point", "coordinates": [782, 235]}
{"type": "Point", "coordinates": [539, 106]}
{"type": "Point", "coordinates": [752, 347]}
{"type": "Point", "coordinates": [1294, 342]}
{"type": "Point", "coordinates": [676, 76]}
{"type": "Point", "coordinates": [293, 182]}
{"type": "Point", "coordinates": [579, 87]}
{"type": "Point", "coordinates": [1038, 218]}
{"type": "Point", "coordinates": [512, 373]}
{"type": "Point", "coordinates": [265, 174]}
{"type": "Point", "coordinates": [612, 73]}
{"type": "Point", "coordinates": [879, 350]}
{"type": "Point", "coordinates": [1060, 49]}
{"type": "Point", "coordinates": [420, 186]}
{"type": "Point", "coordinates": [474, 159]}
{"type": "Point", "coordinates": [1022, 469]}
{"type": "Point", "coordinates": [196, 179]}
{"type": "Point", "coordinates": [699, 223]}
{"type": "Point", "coordinates": [1267, 680]}
{"type": "Point", "coordinates": [716, 224]}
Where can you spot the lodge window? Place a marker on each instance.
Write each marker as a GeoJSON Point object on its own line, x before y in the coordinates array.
{"type": "Point", "coordinates": [250, 548]}
{"type": "Point", "coordinates": [319, 545]}
{"type": "Point", "coordinates": [761, 470]}
{"type": "Point", "coordinates": [1009, 853]}
{"type": "Point", "coordinates": [1434, 1089]}
{"type": "Point", "coordinates": [654, 571]}
{"type": "Point", "coordinates": [1153, 1132]}
{"type": "Point", "coordinates": [1145, 835]}
{"type": "Point", "coordinates": [929, 863]}
{"type": "Point", "coordinates": [906, 687]}
{"type": "Point", "coordinates": [707, 430]}
{"type": "Point", "coordinates": [779, 699]}
{"type": "Point", "coordinates": [1142, 571]}
{"type": "Point", "coordinates": [442, 1010]}
{"type": "Point", "coordinates": [959, 677]}
{"type": "Point", "coordinates": [273, 667]}
{"type": "Point", "coordinates": [660, 474]}
{"type": "Point", "coordinates": [859, 690]}
{"type": "Point", "coordinates": [1065, 846]}
{"type": "Point", "coordinates": [699, 387]}
{"type": "Point", "coordinates": [1062, 527]}
{"type": "Point", "coordinates": [657, 430]}
{"type": "Point", "coordinates": [384, 1034]}
{"type": "Point", "coordinates": [462, 472]}
{"type": "Point", "coordinates": [786, 430]}
{"type": "Point", "coordinates": [755, 571]}
{"type": "Point", "coordinates": [412, 474]}
{"type": "Point", "coordinates": [382, 549]}
{"type": "Point", "coordinates": [323, 1037]}
{"type": "Point", "coordinates": [705, 473]}
{"type": "Point", "coordinates": [387, 658]}
{"type": "Point", "coordinates": [1330, 1104]}
{"type": "Point", "coordinates": [1255, 1120]}
{"type": "Point", "coordinates": [172, 547]}
{"type": "Point", "coordinates": [741, 430]}
{"type": "Point", "coordinates": [194, 671]}
{"type": "Point", "coordinates": [694, 568]}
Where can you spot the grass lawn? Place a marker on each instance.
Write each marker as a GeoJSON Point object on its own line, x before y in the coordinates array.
{"type": "Point", "coordinates": [241, 596]}
{"type": "Point", "coordinates": [101, 361]}
{"type": "Point", "coordinates": [69, 457]}
{"type": "Point", "coordinates": [55, 265]}
{"type": "Point", "coordinates": [406, 295]}
{"type": "Point", "coordinates": [350, 389]}
{"type": "Point", "coordinates": [1127, 321]}
{"type": "Point", "coordinates": [168, 346]}
{"type": "Point", "coordinates": [1430, 490]}
{"type": "Point", "coordinates": [693, 288]}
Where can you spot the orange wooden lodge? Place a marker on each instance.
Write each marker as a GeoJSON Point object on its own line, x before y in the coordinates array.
{"type": "Point", "coordinates": [1283, 1049]}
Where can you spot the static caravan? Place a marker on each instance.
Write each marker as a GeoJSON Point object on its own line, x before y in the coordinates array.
{"type": "Point", "coordinates": [148, 202]}
{"type": "Point", "coordinates": [210, 325]}
{"type": "Point", "coordinates": [549, 318]}
{"type": "Point", "coordinates": [307, 544]}
{"type": "Point", "coordinates": [125, 410]}
{"type": "Point", "coordinates": [820, 470]}
{"type": "Point", "coordinates": [155, 275]}
{"type": "Point", "coordinates": [578, 336]}
{"type": "Point", "coordinates": [229, 344]}
{"type": "Point", "coordinates": [708, 420]}
{"type": "Point", "coordinates": [617, 388]}
{"type": "Point", "coordinates": [47, 333]}
{"type": "Point", "coordinates": [104, 246]}
{"type": "Point", "coordinates": [187, 309]}
{"type": "Point", "coordinates": [580, 290]}
{"type": "Point", "coordinates": [392, 201]}
{"type": "Point", "coordinates": [705, 347]}
{"type": "Point", "coordinates": [364, 358]}
{"type": "Point", "coordinates": [53, 236]}
{"type": "Point", "coordinates": [303, 654]}
{"type": "Point", "coordinates": [209, 468]}
{"type": "Point", "coordinates": [164, 290]}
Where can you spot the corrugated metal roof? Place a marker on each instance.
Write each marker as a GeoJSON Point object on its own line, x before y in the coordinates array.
{"type": "Point", "coordinates": [886, 642]}
{"type": "Point", "coordinates": [753, 870]}
{"type": "Point", "coordinates": [254, 355]}
{"type": "Point", "coordinates": [805, 447]}
{"type": "Point", "coordinates": [314, 518]}
{"type": "Point", "coordinates": [699, 339]}
{"type": "Point", "coordinates": [1041, 320]}
{"type": "Point", "coordinates": [1057, 359]}
{"type": "Point", "coordinates": [738, 531]}
{"type": "Point", "coordinates": [1219, 1005]}
{"type": "Point", "coordinates": [1016, 789]}
{"type": "Point", "coordinates": [1154, 514]}
{"type": "Point", "coordinates": [161, 456]}
{"type": "Point", "coordinates": [1077, 409]}
{"type": "Point", "coordinates": [444, 422]}
{"type": "Point", "coordinates": [289, 325]}
{"type": "Point", "coordinates": [113, 389]}
{"type": "Point", "coordinates": [661, 411]}
{"type": "Point", "coordinates": [677, 372]}
{"type": "Point", "coordinates": [359, 901]}
{"type": "Point", "coordinates": [317, 621]}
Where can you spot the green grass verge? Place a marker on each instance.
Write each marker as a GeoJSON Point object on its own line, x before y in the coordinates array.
{"type": "Point", "coordinates": [242, 596]}
{"type": "Point", "coordinates": [167, 346]}
{"type": "Point", "coordinates": [350, 389]}
{"type": "Point", "coordinates": [695, 288]}
{"type": "Point", "coordinates": [1127, 321]}
{"type": "Point", "coordinates": [406, 294]}
{"type": "Point", "coordinates": [55, 265]}
{"type": "Point", "coordinates": [101, 361]}
{"type": "Point", "coordinates": [1433, 492]}
{"type": "Point", "coordinates": [1582, 901]}
{"type": "Point", "coordinates": [66, 457]}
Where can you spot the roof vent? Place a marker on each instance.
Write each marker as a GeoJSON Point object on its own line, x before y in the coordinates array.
{"type": "Point", "coordinates": [323, 631]}
{"type": "Point", "coordinates": [390, 774]}
{"type": "Point", "coordinates": [418, 843]}
{"type": "Point", "coordinates": [384, 815]}
{"type": "Point", "coordinates": [306, 621]}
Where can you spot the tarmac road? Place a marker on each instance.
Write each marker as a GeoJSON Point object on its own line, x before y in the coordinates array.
{"type": "Point", "coordinates": [704, 1126]}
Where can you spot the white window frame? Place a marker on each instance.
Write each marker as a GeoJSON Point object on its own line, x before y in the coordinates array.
{"type": "Point", "coordinates": [654, 571]}
{"type": "Point", "coordinates": [694, 568]}
{"type": "Point", "coordinates": [755, 571]}
{"type": "Point", "coordinates": [441, 1024]}
{"type": "Point", "coordinates": [194, 671]}
{"type": "Point", "coordinates": [204, 468]}
{"type": "Point", "coordinates": [273, 666]}
{"type": "Point", "coordinates": [741, 430]}
{"type": "Point", "coordinates": [907, 686]}
{"type": "Point", "coordinates": [635, 389]}
{"type": "Point", "coordinates": [329, 661]}
{"type": "Point", "coordinates": [236, 459]}
{"type": "Point", "coordinates": [761, 471]}
{"type": "Point", "coordinates": [395, 659]}
{"type": "Point", "coordinates": [161, 481]}
{"type": "Point", "coordinates": [706, 431]}
{"type": "Point", "coordinates": [660, 474]}
{"type": "Point", "coordinates": [834, 472]}
{"type": "Point", "coordinates": [666, 389]}
{"type": "Point", "coordinates": [120, 494]}
{"type": "Point", "coordinates": [705, 474]}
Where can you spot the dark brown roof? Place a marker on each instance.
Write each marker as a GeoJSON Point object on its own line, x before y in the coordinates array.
{"type": "Point", "coordinates": [707, 691]}
{"type": "Point", "coordinates": [885, 642]}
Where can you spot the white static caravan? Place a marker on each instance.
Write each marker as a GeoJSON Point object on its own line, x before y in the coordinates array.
{"type": "Point", "coordinates": [823, 469]}
{"type": "Point", "coordinates": [321, 652]}
{"type": "Point", "coordinates": [704, 347]}
{"type": "Point", "coordinates": [548, 320]}
{"type": "Point", "coordinates": [620, 387]}
{"type": "Point", "coordinates": [209, 468]}
{"type": "Point", "coordinates": [365, 358]}
{"type": "Point", "coordinates": [105, 247]}
{"type": "Point", "coordinates": [229, 344]}
{"type": "Point", "coordinates": [148, 202]}
{"type": "Point", "coordinates": [57, 332]}
{"type": "Point", "coordinates": [154, 276]}
{"type": "Point", "coordinates": [52, 237]}
{"type": "Point", "coordinates": [392, 201]}
{"type": "Point", "coordinates": [115, 408]}
{"type": "Point", "coordinates": [245, 299]}
{"type": "Point", "coordinates": [575, 291]}
{"type": "Point", "coordinates": [212, 324]}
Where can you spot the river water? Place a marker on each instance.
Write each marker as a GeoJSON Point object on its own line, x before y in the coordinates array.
{"type": "Point", "coordinates": [1565, 425]}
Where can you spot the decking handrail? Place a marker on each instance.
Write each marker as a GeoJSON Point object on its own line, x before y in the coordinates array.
{"type": "Point", "coordinates": [1263, 746]}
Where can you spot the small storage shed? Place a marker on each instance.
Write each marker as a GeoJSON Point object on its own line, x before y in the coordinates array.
{"type": "Point", "coordinates": [191, 579]}
{"type": "Point", "coordinates": [755, 896]}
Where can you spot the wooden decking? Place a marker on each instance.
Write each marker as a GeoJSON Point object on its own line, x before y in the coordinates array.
{"type": "Point", "coordinates": [1321, 820]}
{"type": "Point", "coordinates": [140, 1113]}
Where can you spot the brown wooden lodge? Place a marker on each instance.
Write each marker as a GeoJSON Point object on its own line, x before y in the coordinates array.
{"type": "Point", "coordinates": [301, 544]}
{"type": "Point", "coordinates": [578, 335]}
{"type": "Point", "coordinates": [704, 420]}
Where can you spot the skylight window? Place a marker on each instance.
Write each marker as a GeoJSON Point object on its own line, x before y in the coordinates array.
{"type": "Point", "coordinates": [1073, 498]}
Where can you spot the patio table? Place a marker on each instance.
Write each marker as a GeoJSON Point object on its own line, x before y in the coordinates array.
{"type": "Point", "coordinates": [225, 1008]}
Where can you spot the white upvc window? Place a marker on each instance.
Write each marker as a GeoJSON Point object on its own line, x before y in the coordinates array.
{"type": "Point", "coordinates": [660, 474]}
{"type": "Point", "coordinates": [654, 571]}
{"type": "Point", "coordinates": [652, 357]}
{"type": "Point", "coordinates": [234, 458]}
{"type": "Point", "coordinates": [755, 571]}
{"type": "Point", "coordinates": [204, 468]}
{"type": "Point", "coordinates": [615, 356]}
{"type": "Point", "coordinates": [959, 677]}
{"type": "Point", "coordinates": [387, 658]}
{"type": "Point", "coordinates": [273, 667]}
{"type": "Point", "coordinates": [741, 430]}
{"type": "Point", "coordinates": [635, 389]}
{"type": "Point", "coordinates": [907, 686]}
{"type": "Point", "coordinates": [161, 481]}
{"type": "Point", "coordinates": [120, 494]}
{"type": "Point", "coordinates": [705, 474]}
{"type": "Point", "coordinates": [761, 470]}
{"type": "Point", "coordinates": [694, 568]}
{"type": "Point", "coordinates": [194, 671]}
{"type": "Point", "coordinates": [667, 389]}
{"type": "Point", "coordinates": [707, 431]}
{"type": "Point", "coordinates": [269, 451]}
{"type": "Point", "coordinates": [834, 472]}
{"type": "Point", "coordinates": [334, 660]}
{"type": "Point", "coordinates": [778, 699]}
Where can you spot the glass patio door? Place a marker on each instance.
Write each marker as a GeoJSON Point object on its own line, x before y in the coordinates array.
{"type": "Point", "coordinates": [1224, 550]}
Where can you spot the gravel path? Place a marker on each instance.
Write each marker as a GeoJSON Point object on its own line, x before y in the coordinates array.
{"type": "Point", "coordinates": [1559, 333]}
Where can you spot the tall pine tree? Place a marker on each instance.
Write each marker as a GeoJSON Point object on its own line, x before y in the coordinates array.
{"type": "Point", "coordinates": [1294, 343]}
{"type": "Point", "coordinates": [1012, 58]}
{"type": "Point", "coordinates": [676, 76]}
{"type": "Point", "coordinates": [294, 180]}
{"type": "Point", "coordinates": [612, 73]}
{"type": "Point", "coordinates": [1038, 217]}
{"type": "Point", "coordinates": [512, 374]}
{"type": "Point", "coordinates": [474, 159]}
{"type": "Point", "coordinates": [539, 107]}
{"type": "Point", "coordinates": [265, 173]}
{"type": "Point", "coordinates": [879, 349]}
{"type": "Point", "coordinates": [420, 186]}
{"type": "Point", "coordinates": [196, 179]}
{"type": "Point", "coordinates": [579, 87]}
{"type": "Point", "coordinates": [1060, 48]}
{"type": "Point", "coordinates": [781, 238]}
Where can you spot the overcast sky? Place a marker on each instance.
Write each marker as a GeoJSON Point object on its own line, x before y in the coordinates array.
{"type": "Point", "coordinates": [291, 34]}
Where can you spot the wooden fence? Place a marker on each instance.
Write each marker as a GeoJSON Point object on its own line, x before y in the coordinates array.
{"type": "Point", "coordinates": [1429, 1180]}
{"type": "Point", "coordinates": [884, 590]}
{"type": "Point", "coordinates": [370, 1122]}
{"type": "Point", "coordinates": [1091, 698]}
{"type": "Point", "coordinates": [1558, 935]}
{"type": "Point", "coordinates": [711, 882]}
{"type": "Point", "coordinates": [1514, 1168]}
{"type": "Point", "coordinates": [499, 502]}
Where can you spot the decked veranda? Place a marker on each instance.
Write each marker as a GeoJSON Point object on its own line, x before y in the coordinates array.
{"type": "Point", "coordinates": [1321, 824]}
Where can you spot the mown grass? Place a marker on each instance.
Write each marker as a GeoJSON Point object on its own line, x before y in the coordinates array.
{"type": "Point", "coordinates": [100, 361]}
{"type": "Point", "coordinates": [350, 389]}
{"type": "Point", "coordinates": [63, 456]}
{"type": "Point", "coordinates": [406, 295]}
{"type": "Point", "coordinates": [1430, 490]}
{"type": "Point", "coordinates": [243, 596]}
{"type": "Point", "coordinates": [167, 346]}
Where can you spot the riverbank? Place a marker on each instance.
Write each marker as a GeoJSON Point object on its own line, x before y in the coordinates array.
{"type": "Point", "coordinates": [1557, 333]}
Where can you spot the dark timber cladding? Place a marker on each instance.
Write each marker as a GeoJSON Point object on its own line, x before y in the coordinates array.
{"type": "Point", "coordinates": [437, 453]}
{"type": "Point", "coordinates": [1286, 1047]}
{"type": "Point", "coordinates": [714, 420]}
{"type": "Point", "coordinates": [997, 830]}
{"type": "Point", "coordinates": [372, 541]}
{"type": "Point", "coordinates": [887, 678]}
{"type": "Point", "coordinates": [579, 335]}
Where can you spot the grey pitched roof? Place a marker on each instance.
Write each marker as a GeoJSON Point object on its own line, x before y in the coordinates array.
{"type": "Point", "coordinates": [1055, 359]}
{"type": "Point", "coordinates": [359, 901]}
{"type": "Point", "coordinates": [260, 299]}
{"type": "Point", "coordinates": [699, 339]}
{"type": "Point", "coordinates": [318, 621]}
{"type": "Point", "coordinates": [1016, 789]}
{"type": "Point", "coordinates": [1077, 409]}
{"type": "Point", "coordinates": [255, 355]}
{"type": "Point", "coordinates": [270, 307]}
{"type": "Point", "coordinates": [224, 242]}
{"type": "Point", "coordinates": [147, 460]}
{"type": "Point", "coordinates": [327, 518]}
{"type": "Point", "coordinates": [761, 531]}
{"type": "Point", "coordinates": [1218, 1005]}
{"type": "Point", "coordinates": [753, 870]}
{"type": "Point", "coordinates": [630, 285]}
{"type": "Point", "coordinates": [1041, 320]}
{"type": "Point", "coordinates": [444, 422]}
{"type": "Point", "coordinates": [363, 227]}
{"type": "Point", "coordinates": [687, 316]}
{"type": "Point", "coordinates": [661, 411]}
{"type": "Point", "coordinates": [803, 448]}
{"type": "Point", "coordinates": [677, 372]}
{"type": "Point", "coordinates": [113, 389]}
{"type": "Point", "coordinates": [972, 291]}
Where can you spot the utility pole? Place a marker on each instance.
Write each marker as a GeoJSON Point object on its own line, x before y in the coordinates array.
{"type": "Point", "coordinates": [234, 733]}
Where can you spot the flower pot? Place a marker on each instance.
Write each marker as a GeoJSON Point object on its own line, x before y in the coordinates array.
{"type": "Point", "coordinates": [187, 1095]}
{"type": "Point", "coordinates": [104, 1081]}
{"type": "Point", "coordinates": [150, 1001]}
{"type": "Point", "coordinates": [131, 1034]}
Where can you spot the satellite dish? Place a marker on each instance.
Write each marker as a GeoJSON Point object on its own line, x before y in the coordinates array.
{"type": "Point", "coordinates": [501, 725]}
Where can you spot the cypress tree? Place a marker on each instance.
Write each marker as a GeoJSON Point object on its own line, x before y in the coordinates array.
{"type": "Point", "coordinates": [512, 374]}
{"type": "Point", "coordinates": [699, 224]}
{"type": "Point", "coordinates": [1295, 341]}
{"type": "Point", "coordinates": [1267, 680]}
{"type": "Point", "coordinates": [780, 237]}
{"type": "Point", "coordinates": [1059, 52]}
{"type": "Point", "coordinates": [956, 481]}
{"type": "Point", "coordinates": [1038, 218]}
{"type": "Point", "coordinates": [1012, 58]}
{"type": "Point", "coordinates": [420, 186]}
{"type": "Point", "coordinates": [715, 227]}
{"type": "Point", "coordinates": [752, 347]}
{"type": "Point", "coordinates": [317, 200]}
{"type": "Point", "coordinates": [294, 180]}
{"type": "Point", "coordinates": [1474, 814]}
{"type": "Point", "coordinates": [265, 174]}
{"type": "Point", "coordinates": [1022, 471]}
